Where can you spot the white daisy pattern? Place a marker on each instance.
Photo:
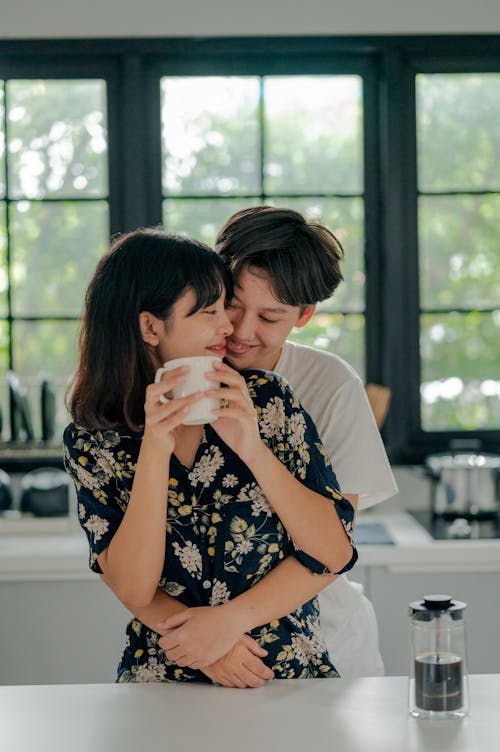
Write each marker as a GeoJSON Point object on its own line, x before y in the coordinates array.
{"type": "Point", "coordinates": [97, 526]}
{"type": "Point", "coordinates": [220, 593]}
{"type": "Point", "coordinates": [260, 503]}
{"type": "Point", "coordinates": [190, 557]}
{"type": "Point", "coordinates": [297, 431]}
{"type": "Point", "coordinates": [229, 481]}
{"type": "Point", "coordinates": [205, 470]}
{"type": "Point", "coordinates": [273, 419]}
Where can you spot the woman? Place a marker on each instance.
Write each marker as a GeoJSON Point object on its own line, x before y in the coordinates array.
{"type": "Point", "coordinates": [209, 514]}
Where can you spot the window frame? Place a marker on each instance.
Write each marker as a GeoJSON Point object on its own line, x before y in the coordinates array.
{"type": "Point", "coordinates": [132, 69]}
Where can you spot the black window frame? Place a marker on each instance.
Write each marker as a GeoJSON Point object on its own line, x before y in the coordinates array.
{"type": "Point", "coordinates": [132, 69]}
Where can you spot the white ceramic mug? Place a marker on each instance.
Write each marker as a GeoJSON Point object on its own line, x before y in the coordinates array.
{"type": "Point", "coordinates": [195, 381]}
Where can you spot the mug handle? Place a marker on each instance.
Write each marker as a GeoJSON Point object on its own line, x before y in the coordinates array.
{"type": "Point", "coordinates": [159, 373]}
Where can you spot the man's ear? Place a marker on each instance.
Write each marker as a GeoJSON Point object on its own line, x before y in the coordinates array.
{"type": "Point", "coordinates": [305, 317]}
{"type": "Point", "coordinates": [151, 327]}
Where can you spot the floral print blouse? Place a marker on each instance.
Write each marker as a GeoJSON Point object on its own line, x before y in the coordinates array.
{"type": "Point", "coordinates": [222, 534]}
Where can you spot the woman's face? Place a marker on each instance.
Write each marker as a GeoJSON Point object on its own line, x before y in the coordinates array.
{"type": "Point", "coordinates": [203, 333]}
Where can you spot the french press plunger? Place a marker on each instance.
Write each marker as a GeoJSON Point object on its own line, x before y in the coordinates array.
{"type": "Point", "coordinates": [438, 673]}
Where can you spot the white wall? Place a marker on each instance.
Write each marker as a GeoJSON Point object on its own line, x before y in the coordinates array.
{"type": "Point", "coordinates": [170, 18]}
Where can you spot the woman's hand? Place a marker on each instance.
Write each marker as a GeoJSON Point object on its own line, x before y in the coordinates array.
{"type": "Point", "coordinates": [236, 423]}
{"type": "Point", "coordinates": [197, 637]}
{"type": "Point", "coordinates": [242, 666]}
{"type": "Point", "coordinates": [163, 416]}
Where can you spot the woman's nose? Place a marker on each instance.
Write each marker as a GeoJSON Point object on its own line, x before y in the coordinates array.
{"type": "Point", "coordinates": [226, 325]}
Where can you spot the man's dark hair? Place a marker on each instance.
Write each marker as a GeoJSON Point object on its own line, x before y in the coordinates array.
{"type": "Point", "coordinates": [300, 259]}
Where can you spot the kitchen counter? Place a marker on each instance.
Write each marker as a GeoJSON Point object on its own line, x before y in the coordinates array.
{"type": "Point", "coordinates": [317, 714]}
{"type": "Point", "coordinates": [63, 555]}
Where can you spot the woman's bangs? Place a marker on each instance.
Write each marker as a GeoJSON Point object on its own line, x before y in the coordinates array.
{"type": "Point", "coordinates": [209, 286]}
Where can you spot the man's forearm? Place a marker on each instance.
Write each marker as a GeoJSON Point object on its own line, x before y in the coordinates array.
{"type": "Point", "coordinates": [161, 607]}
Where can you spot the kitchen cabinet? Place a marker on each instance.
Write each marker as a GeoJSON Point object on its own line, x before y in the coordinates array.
{"type": "Point", "coordinates": [59, 632]}
{"type": "Point", "coordinates": [391, 591]}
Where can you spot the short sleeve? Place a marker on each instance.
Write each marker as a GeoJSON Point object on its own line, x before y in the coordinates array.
{"type": "Point", "coordinates": [90, 461]}
{"type": "Point", "coordinates": [290, 433]}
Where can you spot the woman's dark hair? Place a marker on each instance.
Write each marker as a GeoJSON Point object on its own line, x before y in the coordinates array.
{"type": "Point", "coordinates": [144, 270]}
{"type": "Point", "coordinates": [301, 260]}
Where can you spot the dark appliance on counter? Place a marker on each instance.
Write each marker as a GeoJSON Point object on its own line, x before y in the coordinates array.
{"type": "Point", "coordinates": [45, 492]}
{"type": "Point", "coordinates": [20, 409]}
{"type": "Point", "coordinates": [465, 500]}
{"type": "Point", "coordinates": [48, 410]}
{"type": "Point", "coordinates": [5, 491]}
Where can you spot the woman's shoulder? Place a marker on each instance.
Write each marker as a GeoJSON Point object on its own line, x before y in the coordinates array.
{"type": "Point", "coordinates": [266, 383]}
{"type": "Point", "coordinates": [77, 437]}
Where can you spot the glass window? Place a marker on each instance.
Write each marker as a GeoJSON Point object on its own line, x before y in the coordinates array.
{"type": "Point", "coordinates": [458, 132]}
{"type": "Point", "coordinates": [54, 225]}
{"type": "Point", "coordinates": [230, 142]}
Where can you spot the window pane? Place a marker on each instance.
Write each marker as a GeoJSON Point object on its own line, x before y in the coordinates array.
{"type": "Point", "coordinates": [45, 349]}
{"type": "Point", "coordinates": [4, 282]}
{"type": "Point", "coordinates": [4, 364]}
{"type": "Point", "coordinates": [342, 334]}
{"type": "Point", "coordinates": [313, 134]}
{"type": "Point", "coordinates": [55, 247]}
{"type": "Point", "coordinates": [210, 135]}
{"type": "Point", "coordinates": [200, 218]}
{"type": "Point", "coordinates": [57, 139]}
{"type": "Point", "coordinates": [458, 130]}
{"type": "Point", "coordinates": [459, 255]}
{"type": "Point", "coordinates": [344, 217]}
{"type": "Point", "coordinates": [460, 375]}
{"type": "Point", "coordinates": [2, 141]}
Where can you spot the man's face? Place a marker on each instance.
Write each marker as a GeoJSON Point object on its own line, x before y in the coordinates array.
{"type": "Point", "coordinates": [260, 323]}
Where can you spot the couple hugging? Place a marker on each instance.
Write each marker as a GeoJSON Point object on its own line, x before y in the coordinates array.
{"type": "Point", "coordinates": [219, 537]}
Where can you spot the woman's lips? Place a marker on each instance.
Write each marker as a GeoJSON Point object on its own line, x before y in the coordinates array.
{"type": "Point", "coordinates": [219, 350]}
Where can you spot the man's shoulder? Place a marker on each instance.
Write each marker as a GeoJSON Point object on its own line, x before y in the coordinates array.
{"type": "Point", "coordinates": [295, 357]}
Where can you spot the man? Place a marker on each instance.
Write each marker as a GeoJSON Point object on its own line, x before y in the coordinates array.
{"type": "Point", "coordinates": [282, 267]}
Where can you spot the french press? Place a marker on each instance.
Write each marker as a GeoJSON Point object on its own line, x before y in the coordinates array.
{"type": "Point", "coordinates": [438, 673]}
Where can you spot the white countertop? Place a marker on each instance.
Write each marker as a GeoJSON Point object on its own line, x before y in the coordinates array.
{"type": "Point", "coordinates": [292, 716]}
{"type": "Point", "coordinates": [63, 555]}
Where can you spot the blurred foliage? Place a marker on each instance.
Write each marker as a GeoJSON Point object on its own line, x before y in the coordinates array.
{"type": "Point", "coordinates": [55, 151]}
{"type": "Point", "coordinates": [459, 251]}
{"type": "Point", "coordinates": [460, 370]}
{"type": "Point", "coordinates": [342, 334]}
{"type": "Point", "coordinates": [458, 131]}
{"type": "Point", "coordinates": [58, 225]}
{"type": "Point", "coordinates": [313, 143]}
{"type": "Point", "coordinates": [56, 139]}
{"type": "Point", "coordinates": [54, 249]}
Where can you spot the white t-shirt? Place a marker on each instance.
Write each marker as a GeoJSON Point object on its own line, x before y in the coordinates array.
{"type": "Point", "coordinates": [334, 396]}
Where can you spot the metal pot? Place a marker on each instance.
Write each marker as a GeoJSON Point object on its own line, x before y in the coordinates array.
{"type": "Point", "coordinates": [464, 484]}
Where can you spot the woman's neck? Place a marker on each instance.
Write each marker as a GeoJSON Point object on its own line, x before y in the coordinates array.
{"type": "Point", "coordinates": [187, 441]}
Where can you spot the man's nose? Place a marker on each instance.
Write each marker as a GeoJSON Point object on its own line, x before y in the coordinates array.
{"type": "Point", "coordinates": [243, 327]}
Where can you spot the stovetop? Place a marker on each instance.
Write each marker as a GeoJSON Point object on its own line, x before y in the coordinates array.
{"type": "Point", "coordinates": [467, 527]}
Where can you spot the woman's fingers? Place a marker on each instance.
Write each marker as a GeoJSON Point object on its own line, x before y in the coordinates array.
{"type": "Point", "coordinates": [171, 409]}
{"type": "Point", "coordinates": [233, 396]}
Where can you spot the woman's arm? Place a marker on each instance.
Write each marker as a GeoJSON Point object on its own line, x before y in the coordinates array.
{"type": "Point", "coordinates": [133, 562]}
{"type": "Point", "coordinates": [311, 519]}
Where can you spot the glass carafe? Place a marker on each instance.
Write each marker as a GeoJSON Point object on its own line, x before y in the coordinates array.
{"type": "Point", "coordinates": [438, 685]}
